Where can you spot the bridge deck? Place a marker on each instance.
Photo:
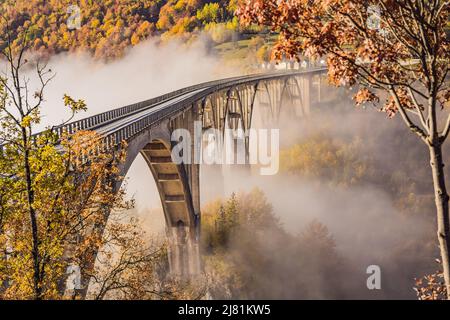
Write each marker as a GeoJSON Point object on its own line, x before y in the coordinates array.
{"type": "Point", "coordinates": [128, 119]}
{"type": "Point", "coordinates": [114, 124]}
{"type": "Point", "coordinates": [115, 119]}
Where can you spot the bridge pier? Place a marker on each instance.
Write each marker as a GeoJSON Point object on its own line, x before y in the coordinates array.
{"type": "Point", "coordinates": [179, 190]}
{"type": "Point", "coordinates": [183, 251]}
{"type": "Point", "coordinates": [304, 93]}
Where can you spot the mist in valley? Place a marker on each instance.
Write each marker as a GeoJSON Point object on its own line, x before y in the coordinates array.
{"type": "Point", "coordinates": [367, 220]}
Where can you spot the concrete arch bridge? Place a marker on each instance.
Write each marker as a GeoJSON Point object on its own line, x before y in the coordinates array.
{"type": "Point", "coordinates": [147, 127]}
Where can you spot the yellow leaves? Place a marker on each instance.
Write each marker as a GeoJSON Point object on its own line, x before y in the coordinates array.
{"type": "Point", "coordinates": [144, 28]}
{"type": "Point", "coordinates": [26, 121]}
{"type": "Point", "coordinates": [101, 19]}
{"type": "Point", "coordinates": [70, 197]}
{"type": "Point", "coordinates": [66, 36]}
{"type": "Point", "coordinates": [95, 23]}
{"type": "Point", "coordinates": [321, 157]}
{"type": "Point", "coordinates": [74, 105]}
{"type": "Point", "coordinates": [134, 39]}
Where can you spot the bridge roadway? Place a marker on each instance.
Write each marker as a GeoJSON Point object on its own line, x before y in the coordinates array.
{"type": "Point", "coordinates": [111, 122]}
{"type": "Point", "coordinates": [117, 124]}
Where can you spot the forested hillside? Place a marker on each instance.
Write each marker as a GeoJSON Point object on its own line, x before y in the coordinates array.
{"type": "Point", "coordinates": [107, 27]}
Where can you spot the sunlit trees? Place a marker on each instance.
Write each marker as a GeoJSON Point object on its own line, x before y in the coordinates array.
{"type": "Point", "coordinates": [24, 172]}
{"type": "Point", "coordinates": [107, 28]}
{"type": "Point", "coordinates": [47, 197]}
{"type": "Point", "coordinates": [116, 21]}
{"type": "Point", "coordinates": [209, 13]}
{"type": "Point", "coordinates": [395, 50]}
{"type": "Point", "coordinates": [321, 157]}
{"type": "Point", "coordinates": [63, 220]}
{"type": "Point", "coordinates": [56, 192]}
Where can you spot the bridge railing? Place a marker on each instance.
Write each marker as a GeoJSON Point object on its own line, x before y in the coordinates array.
{"type": "Point", "coordinates": [114, 114]}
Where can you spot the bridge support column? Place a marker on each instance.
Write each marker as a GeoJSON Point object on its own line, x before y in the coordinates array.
{"type": "Point", "coordinates": [194, 186]}
{"type": "Point", "coordinates": [183, 233]}
{"type": "Point", "coordinates": [305, 91]}
{"type": "Point", "coordinates": [183, 251]}
{"type": "Point", "coordinates": [319, 88]}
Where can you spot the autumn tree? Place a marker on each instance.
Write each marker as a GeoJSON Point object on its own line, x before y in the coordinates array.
{"type": "Point", "coordinates": [133, 265]}
{"type": "Point", "coordinates": [431, 287]}
{"type": "Point", "coordinates": [56, 192]}
{"type": "Point", "coordinates": [397, 52]}
{"type": "Point", "coordinates": [23, 165]}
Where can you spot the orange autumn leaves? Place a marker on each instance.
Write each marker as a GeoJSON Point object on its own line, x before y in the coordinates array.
{"type": "Point", "coordinates": [397, 53]}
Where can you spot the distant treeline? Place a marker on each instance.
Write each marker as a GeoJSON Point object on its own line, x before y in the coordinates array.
{"type": "Point", "coordinates": [106, 28]}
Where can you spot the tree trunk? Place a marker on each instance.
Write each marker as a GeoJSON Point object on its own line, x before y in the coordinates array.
{"type": "Point", "coordinates": [33, 220]}
{"type": "Point", "coordinates": [441, 198]}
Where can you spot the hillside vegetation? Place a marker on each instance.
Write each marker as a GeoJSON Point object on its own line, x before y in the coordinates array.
{"type": "Point", "coordinates": [107, 28]}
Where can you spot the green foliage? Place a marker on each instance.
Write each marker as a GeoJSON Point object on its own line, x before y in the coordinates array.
{"type": "Point", "coordinates": [74, 105]}
{"type": "Point", "coordinates": [209, 13]}
{"type": "Point", "coordinates": [221, 220]}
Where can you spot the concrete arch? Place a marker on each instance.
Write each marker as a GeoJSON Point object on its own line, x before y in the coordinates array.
{"type": "Point", "coordinates": [171, 182]}
{"type": "Point", "coordinates": [173, 186]}
{"type": "Point", "coordinates": [170, 178]}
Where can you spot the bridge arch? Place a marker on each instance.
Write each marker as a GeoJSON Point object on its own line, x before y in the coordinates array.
{"type": "Point", "coordinates": [170, 181]}
{"type": "Point", "coordinates": [175, 194]}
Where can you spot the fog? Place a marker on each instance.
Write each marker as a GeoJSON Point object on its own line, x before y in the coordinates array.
{"type": "Point", "coordinates": [364, 221]}
{"type": "Point", "coordinates": [147, 70]}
